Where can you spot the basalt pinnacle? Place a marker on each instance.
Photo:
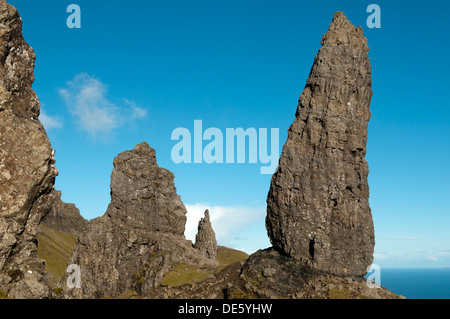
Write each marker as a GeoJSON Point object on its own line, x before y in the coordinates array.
{"type": "Point", "coordinates": [318, 204]}
{"type": "Point", "coordinates": [205, 240]}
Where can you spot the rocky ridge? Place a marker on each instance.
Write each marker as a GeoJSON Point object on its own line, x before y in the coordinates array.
{"type": "Point", "coordinates": [64, 217]}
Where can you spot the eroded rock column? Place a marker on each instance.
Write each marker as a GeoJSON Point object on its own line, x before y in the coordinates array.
{"type": "Point", "coordinates": [318, 204]}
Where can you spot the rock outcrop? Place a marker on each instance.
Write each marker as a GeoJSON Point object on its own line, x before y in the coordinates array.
{"type": "Point", "coordinates": [205, 240]}
{"type": "Point", "coordinates": [64, 217]}
{"type": "Point", "coordinates": [270, 275]}
{"type": "Point", "coordinates": [318, 204]}
{"type": "Point", "coordinates": [143, 195]}
{"type": "Point", "coordinates": [141, 235]}
{"type": "Point", "coordinates": [27, 170]}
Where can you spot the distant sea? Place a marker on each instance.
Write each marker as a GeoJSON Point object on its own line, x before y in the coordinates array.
{"type": "Point", "coordinates": [417, 283]}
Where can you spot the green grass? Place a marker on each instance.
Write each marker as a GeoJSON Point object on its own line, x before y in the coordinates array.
{"type": "Point", "coordinates": [336, 293]}
{"type": "Point", "coordinates": [239, 294]}
{"type": "Point", "coordinates": [3, 295]}
{"type": "Point", "coordinates": [227, 256]}
{"type": "Point", "coordinates": [129, 294]}
{"type": "Point", "coordinates": [55, 248]}
{"type": "Point", "coordinates": [184, 274]}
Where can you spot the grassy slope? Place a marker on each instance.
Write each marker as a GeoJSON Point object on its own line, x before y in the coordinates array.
{"type": "Point", "coordinates": [55, 248]}
{"type": "Point", "coordinates": [187, 274]}
{"type": "Point", "coordinates": [227, 256]}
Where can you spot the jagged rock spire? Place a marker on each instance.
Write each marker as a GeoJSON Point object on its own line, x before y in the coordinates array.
{"type": "Point", "coordinates": [205, 240]}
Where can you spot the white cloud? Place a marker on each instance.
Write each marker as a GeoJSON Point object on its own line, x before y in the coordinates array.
{"type": "Point", "coordinates": [136, 112]}
{"type": "Point", "coordinates": [231, 224]}
{"type": "Point", "coordinates": [86, 99]}
{"type": "Point", "coordinates": [432, 258]}
{"type": "Point", "coordinates": [50, 122]}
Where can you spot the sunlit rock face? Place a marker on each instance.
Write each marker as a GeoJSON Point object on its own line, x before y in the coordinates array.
{"type": "Point", "coordinates": [27, 164]}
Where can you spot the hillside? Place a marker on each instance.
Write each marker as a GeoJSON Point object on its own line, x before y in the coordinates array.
{"type": "Point", "coordinates": [55, 247]}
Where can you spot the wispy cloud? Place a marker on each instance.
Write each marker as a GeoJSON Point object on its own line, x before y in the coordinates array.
{"type": "Point", "coordinates": [229, 223]}
{"type": "Point", "coordinates": [86, 98]}
{"type": "Point", "coordinates": [135, 111]}
{"type": "Point", "coordinates": [50, 122]}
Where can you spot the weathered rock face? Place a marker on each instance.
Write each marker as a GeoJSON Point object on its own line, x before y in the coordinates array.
{"type": "Point", "coordinates": [318, 204]}
{"type": "Point", "coordinates": [64, 217]}
{"type": "Point", "coordinates": [205, 240]}
{"type": "Point", "coordinates": [27, 171]}
{"type": "Point", "coordinates": [141, 235]}
{"type": "Point", "coordinates": [143, 195]}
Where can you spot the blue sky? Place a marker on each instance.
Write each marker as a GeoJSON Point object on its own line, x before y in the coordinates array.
{"type": "Point", "coordinates": [137, 70]}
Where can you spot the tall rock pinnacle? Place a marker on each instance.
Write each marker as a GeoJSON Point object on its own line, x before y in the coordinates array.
{"type": "Point", "coordinates": [205, 240]}
{"type": "Point", "coordinates": [27, 170]}
{"type": "Point", "coordinates": [318, 204]}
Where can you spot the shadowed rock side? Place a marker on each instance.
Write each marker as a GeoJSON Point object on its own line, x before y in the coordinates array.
{"type": "Point", "coordinates": [27, 170]}
{"type": "Point", "coordinates": [140, 237]}
{"type": "Point", "coordinates": [318, 204]}
{"type": "Point", "coordinates": [64, 217]}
